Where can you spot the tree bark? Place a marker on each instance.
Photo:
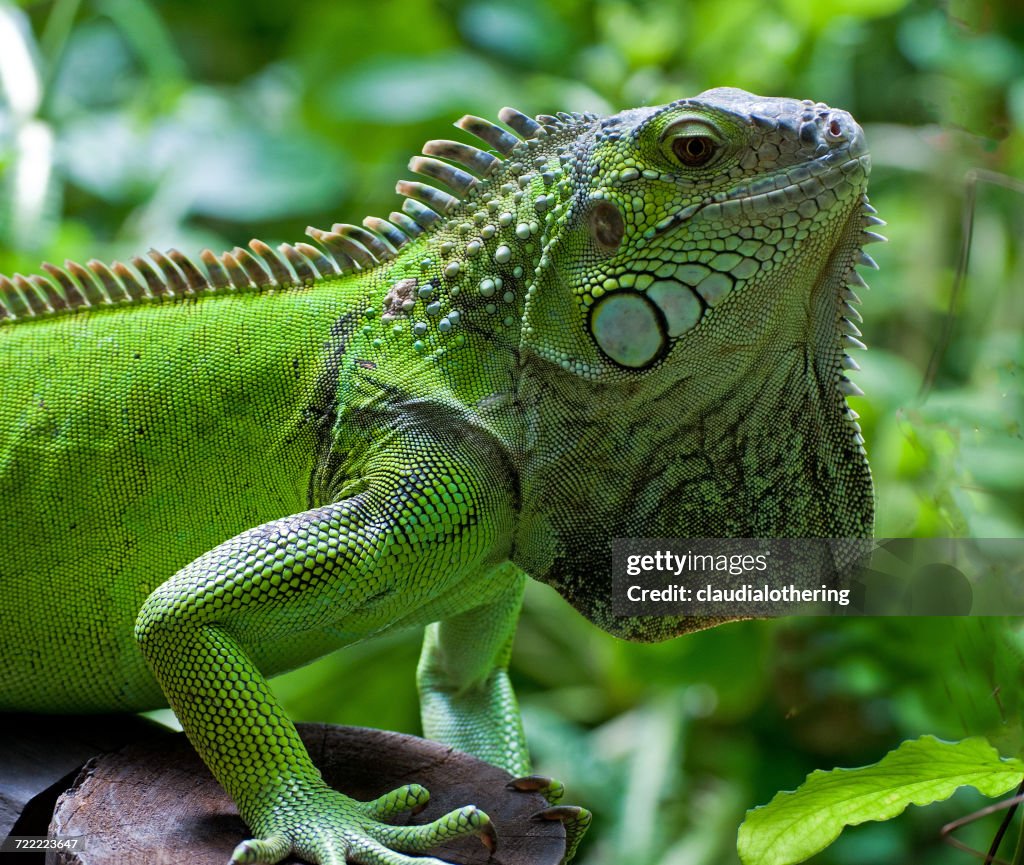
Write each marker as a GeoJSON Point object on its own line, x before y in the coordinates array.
{"type": "Point", "coordinates": [155, 803]}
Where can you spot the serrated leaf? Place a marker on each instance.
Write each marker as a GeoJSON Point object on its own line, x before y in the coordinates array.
{"type": "Point", "coordinates": [796, 825]}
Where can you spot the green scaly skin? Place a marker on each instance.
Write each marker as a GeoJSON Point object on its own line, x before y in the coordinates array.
{"type": "Point", "coordinates": [627, 326]}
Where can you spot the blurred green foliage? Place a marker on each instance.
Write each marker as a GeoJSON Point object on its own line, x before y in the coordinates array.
{"type": "Point", "coordinates": [126, 124]}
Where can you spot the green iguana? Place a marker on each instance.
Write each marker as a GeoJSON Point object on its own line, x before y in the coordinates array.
{"type": "Point", "coordinates": [216, 470]}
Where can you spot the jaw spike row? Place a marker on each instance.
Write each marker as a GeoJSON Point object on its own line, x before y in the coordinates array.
{"type": "Point", "coordinates": [524, 125]}
{"type": "Point", "coordinates": [855, 280]}
{"type": "Point", "coordinates": [848, 388]}
{"type": "Point", "coordinates": [849, 327]}
{"type": "Point", "coordinates": [866, 260]}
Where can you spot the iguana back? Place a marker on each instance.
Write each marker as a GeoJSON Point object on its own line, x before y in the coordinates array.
{"type": "Point", "coordinates": [132, 439]}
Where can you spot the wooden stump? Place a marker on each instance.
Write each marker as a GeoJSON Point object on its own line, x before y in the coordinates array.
{"type": "Point", "coordinates": [40, 755]}
{"type": "Point", "coordinates": [155, 803]}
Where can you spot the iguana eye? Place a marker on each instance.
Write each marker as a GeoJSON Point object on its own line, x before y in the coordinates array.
{"type": "Point", "coordinates": [692, 143]}
{"type": "Point", "coordinates": [694, 150]}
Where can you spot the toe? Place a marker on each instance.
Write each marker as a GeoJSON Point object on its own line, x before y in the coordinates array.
{"type": "Point", "coordinates": [549, 788]}
{"type": "Point", "coordinates": [469, 820]}
{"type": "Point", "coordinates": [261, 851]}
{"type": "Point", "coordinates": [411, 797]}
{"type": "Point", "coordinates": [371, 853]}
{"type": "Point", "coordinates": [562, 813]}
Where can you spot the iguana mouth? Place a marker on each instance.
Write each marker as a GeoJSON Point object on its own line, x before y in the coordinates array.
{"type": "Point", "coordinates": [792, 185]}
{"type": "Point", "coordinates": [773, 193]}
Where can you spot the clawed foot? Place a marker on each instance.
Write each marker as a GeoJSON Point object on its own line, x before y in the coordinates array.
{"type": "Point", "coordinates": [549, 788]}
{"type": "Point", "coordinates": [328, 828]}
{"type": "Point", "coordinates": [576, 820]}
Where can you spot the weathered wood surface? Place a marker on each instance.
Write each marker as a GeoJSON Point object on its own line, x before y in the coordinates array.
{"type": "Point", "coordinates": [40, 756]}
{"type": "Point", "coordinates": [155, 803]}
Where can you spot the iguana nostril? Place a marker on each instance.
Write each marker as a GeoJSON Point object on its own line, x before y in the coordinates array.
{"type": "Point", "coordinates": [835, 128]}
{"type": "Point", "coordinates": [607, 226]}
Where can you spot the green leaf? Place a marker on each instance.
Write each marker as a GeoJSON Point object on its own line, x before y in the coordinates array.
{"type": "Point", "coordinates": [796, 825]}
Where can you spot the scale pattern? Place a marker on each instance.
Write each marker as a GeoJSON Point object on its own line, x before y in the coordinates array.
{"type": "Point", "coordinates": [215, 469]}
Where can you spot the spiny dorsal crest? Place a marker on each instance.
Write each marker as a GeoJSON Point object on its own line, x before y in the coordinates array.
{"type": "Point", "coordinates": [344, 249]}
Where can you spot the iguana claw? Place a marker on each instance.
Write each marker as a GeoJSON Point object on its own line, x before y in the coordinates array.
{"type": "Point", "coordinates": [549, 788]}
{"type": "Point", "coordinates": [489, 836]}
{"type": "Point", "coordinates": [576, 820]}
{"type": "Point", "coordinates": [564, 813]}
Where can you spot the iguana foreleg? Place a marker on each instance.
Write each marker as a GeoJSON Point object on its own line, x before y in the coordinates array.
{"type": "Point", "coordinates": [329, 575]}
{"type": "Point", "coordinates": [466, 700]}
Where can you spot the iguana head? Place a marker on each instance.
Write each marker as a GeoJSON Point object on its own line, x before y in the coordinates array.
{"type": "Point", "coordinates": [683, 334]}
{"type": "Point", "coordinates": [668, 215]}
